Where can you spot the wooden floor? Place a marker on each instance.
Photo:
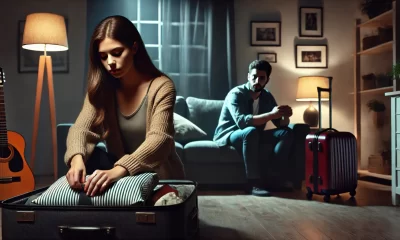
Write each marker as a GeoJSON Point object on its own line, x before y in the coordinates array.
{"type": "Point", "coordinates": [234, 215]}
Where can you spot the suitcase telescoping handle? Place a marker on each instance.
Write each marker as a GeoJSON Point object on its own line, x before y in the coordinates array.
{"type": "Point", "coordinates": [72, 232]}
{"type": "Point", "coordinates": [315, 178]}
{"type": "Point", "coordinates": [329, 90]}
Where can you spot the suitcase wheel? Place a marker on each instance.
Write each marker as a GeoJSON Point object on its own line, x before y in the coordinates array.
{"type": "Point", "coordinates": [309, 194]}
{"type": "Point", "coordinates": [353, 193]}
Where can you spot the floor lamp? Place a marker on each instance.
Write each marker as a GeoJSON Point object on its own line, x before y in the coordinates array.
{"type": "Point", "coordinates": [307, 91]}
{"type": "Point", "coordinates": [45, 32]}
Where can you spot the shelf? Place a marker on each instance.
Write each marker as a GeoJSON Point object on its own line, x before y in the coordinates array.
{"type": "Point", "coordinates": [376, 90]}
{"type": "Point", "coordinates": [392, 93]}
{"type": "Point", "coordinates": [384, 47]}
{"type": "Point", "coordinates": [377, 175]}
{"type": "Point", "coordinates": [385, 19]}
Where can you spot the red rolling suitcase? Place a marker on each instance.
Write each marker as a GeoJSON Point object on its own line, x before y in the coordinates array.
{"type": "Point", "coordinates": [331, 158]}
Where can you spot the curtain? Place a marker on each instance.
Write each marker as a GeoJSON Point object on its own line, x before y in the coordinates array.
{"type": "Point", "coordinates": [198, 46]}
{"type": "Point", "coordinates": [197, 38]}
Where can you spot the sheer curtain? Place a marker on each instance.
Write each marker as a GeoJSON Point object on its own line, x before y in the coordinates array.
{"type": "Point", "coordinates": [198, 46]}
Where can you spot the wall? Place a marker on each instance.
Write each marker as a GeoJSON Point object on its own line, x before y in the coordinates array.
{"type": "Point", "coordinates": [20, 88]}
{"type": "Point", "coordinates": [338, 35]}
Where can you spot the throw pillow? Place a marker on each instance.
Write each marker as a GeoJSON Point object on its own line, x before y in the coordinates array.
{"type": "Point", "coordinates": [186, 131]}
{"type": "Point", "coordinates": [127, 191]}
{"type": "Point", "coordinates": [204, 113]}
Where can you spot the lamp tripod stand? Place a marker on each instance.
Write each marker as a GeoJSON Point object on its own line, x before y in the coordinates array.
{"type": "Point", "coordinates": [45, 62]}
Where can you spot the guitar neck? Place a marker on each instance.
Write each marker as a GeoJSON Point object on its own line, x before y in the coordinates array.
{"type": "Point", "coordinates": [3, 120]}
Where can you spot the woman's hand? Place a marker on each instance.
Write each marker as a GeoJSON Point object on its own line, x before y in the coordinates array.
{"type": "Point", "coordinates": [101, 179]}
{"type": "Point", "coordinates": [77, 172]}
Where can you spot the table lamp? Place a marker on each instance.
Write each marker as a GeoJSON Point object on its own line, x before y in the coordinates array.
{"type": "Point", "coordinates": [307, 91]}
{"type": "Point", "coordinates": [45, 32]}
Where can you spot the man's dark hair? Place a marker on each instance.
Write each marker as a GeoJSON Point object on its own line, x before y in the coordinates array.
{"type": "Point", "coordinates": [261, 65]}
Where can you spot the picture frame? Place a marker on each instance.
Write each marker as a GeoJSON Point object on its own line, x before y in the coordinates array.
{"type": "Point", "coordinates": [311, 56]}
{"type": "Point", "coordinates": [268, 56]}
{"type": "Point", "coordinates": [311, 22]}
{"type": "Point", "coordinates": [28, 61]}
{"type": "Point", "coordinates": [265, 33]}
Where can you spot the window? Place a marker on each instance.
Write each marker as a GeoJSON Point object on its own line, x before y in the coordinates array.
{"type": "Point", "coordinates": [148, 20]}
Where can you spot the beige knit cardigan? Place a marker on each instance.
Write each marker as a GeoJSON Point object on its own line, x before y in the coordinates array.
{"type": "Point", "coordinates": [157, 153]}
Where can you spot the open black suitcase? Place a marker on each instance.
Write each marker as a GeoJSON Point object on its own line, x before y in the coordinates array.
{"type": "Point", "coordinates": [21, 221]}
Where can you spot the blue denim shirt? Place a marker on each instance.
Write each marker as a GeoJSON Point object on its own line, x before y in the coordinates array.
{"type": "Point", "coordinates": [237, 112]}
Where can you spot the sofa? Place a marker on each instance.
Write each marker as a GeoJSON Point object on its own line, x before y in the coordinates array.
{"type": "Point", "coordinates": [204, 161]}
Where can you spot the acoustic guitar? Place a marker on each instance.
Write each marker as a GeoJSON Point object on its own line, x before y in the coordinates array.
{"type": "Point", "coordinates": [16, 177]}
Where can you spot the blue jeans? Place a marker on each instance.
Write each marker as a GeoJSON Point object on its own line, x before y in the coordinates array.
{"type": "Point", "coordinates": [249, 143]}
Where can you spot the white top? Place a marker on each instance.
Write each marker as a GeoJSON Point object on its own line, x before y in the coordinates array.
{"type": "Point", "coordinates": [256, 106]}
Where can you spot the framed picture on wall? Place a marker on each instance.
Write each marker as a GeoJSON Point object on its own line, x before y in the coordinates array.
{"type": "Point", "coordinates": [269, 57]}
{"type": "Point", "coordinates": [265, 33]}
{"type": "Point", "coordinates": [311, 56]}
{"type": "Point", "coordinates": [311, 22]}
{"type": "Point", "coordinates": [28, 60]}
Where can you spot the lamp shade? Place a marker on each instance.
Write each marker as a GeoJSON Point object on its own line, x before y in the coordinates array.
{"type": "Point", "coordinates": [45, 32]}
{"type": "Point", "coordinates": [307, 88]}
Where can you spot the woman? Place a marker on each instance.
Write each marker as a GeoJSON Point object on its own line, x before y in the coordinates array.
{"type": "Point", "coordinates": [129, 105]}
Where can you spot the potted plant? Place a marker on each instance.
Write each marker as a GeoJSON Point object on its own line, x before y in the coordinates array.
{"type": "Point", "coordinates": [394, 74]}
{"type": "Point", "coordinates": [373, 8]}
{"type": "Point", "coordinates": [396, 71]}
{"type": "Point", "coordinates": [378, 108]}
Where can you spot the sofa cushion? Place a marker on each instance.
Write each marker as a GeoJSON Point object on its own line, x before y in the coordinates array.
{"type": "Point", "coordinates": [205, 114]}
{"type": "Point", "coordinates": [209, 152]}
{"type": "Point", "coordinates": [179, 150]}
{"type": "Point", "coordinates": [186, 131]}
{"type": "Point", "coordinates": [181, 107]}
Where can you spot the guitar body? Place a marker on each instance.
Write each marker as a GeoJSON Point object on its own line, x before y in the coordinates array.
{"type": "Point", "coordinates": [16, 177]}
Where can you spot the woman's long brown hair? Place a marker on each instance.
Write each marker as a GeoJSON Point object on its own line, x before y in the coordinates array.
{"type": "Point", "coordinates": [100, 82]}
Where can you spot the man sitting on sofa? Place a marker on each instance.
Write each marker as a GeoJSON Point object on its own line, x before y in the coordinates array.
{"type": "Point", "coordinates": [247, 109]}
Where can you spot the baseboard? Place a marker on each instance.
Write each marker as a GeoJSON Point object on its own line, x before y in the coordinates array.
{"type": "Point", "coordinates": [375, 180]}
